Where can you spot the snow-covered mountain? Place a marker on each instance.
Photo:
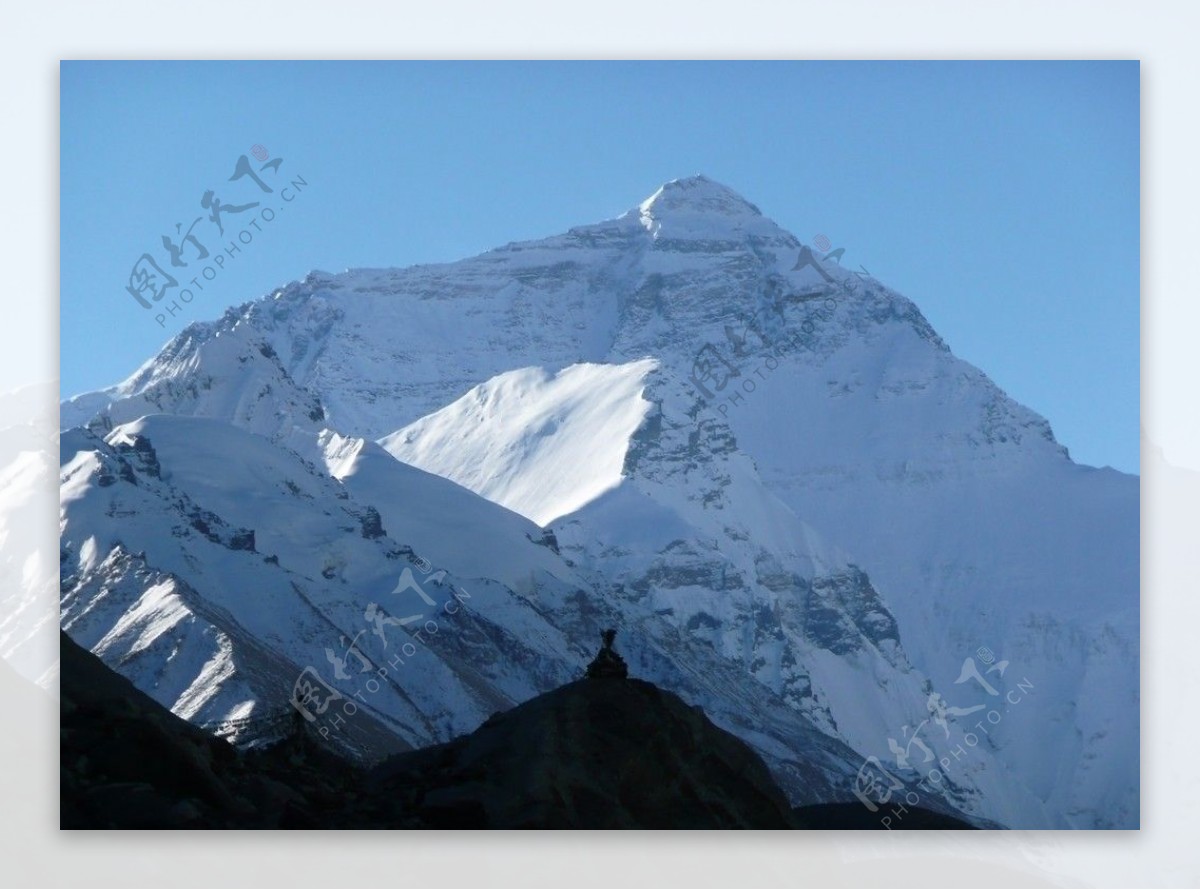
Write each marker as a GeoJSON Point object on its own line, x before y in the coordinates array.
{"type": "Point", "coordinates": [254, 568]}
{"type": "Point", "coordinates": [805, 513]}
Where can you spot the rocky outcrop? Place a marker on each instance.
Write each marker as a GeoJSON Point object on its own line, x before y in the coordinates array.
{"type": "Point", "coordinates": [615, 754]}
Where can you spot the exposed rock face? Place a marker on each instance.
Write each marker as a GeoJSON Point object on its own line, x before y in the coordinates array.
{"type": "Point", "coordinates": [372, 525]}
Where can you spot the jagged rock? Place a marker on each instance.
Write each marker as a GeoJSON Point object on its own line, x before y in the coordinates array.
{"type": "Point", "coordinates": [242, 540]}
{"type": "Point", "coordinates": [372, 524]}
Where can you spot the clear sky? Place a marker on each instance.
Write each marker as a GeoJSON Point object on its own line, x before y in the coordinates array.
{"type": "Point", "coordinates": [1002, 197]}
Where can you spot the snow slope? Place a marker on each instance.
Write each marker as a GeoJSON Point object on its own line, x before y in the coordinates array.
{"type": "Point", "coordinates": [561, 445]}
{"type": "Point", "coordinates": [251, 562]}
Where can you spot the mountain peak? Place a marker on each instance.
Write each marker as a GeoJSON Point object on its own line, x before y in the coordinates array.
{"type": "Point", "coordinates": [696, 195]}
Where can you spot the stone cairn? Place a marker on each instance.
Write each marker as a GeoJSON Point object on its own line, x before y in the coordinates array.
{"type": "Point", "coordinates": [607, 662]}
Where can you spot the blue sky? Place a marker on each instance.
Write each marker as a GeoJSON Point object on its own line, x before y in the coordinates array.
{"type": "Point", "coordinates": [1003, 198]}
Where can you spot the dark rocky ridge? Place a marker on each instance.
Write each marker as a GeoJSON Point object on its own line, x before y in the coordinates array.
{"type": "Point", "coordinates": [596, 753]}
{"type": "Point", "coordinates": [604, 753]}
